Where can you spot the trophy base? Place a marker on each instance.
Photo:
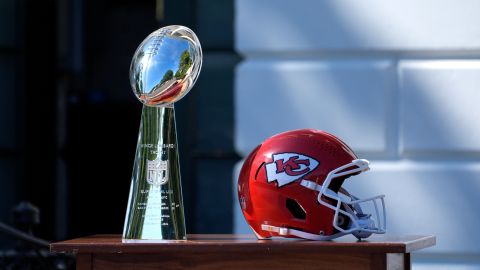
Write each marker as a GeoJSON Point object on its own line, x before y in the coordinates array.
{"type": "Point", "coordinates": [153, 241]}
{"type": "Point", "coordinates": [155, 206]}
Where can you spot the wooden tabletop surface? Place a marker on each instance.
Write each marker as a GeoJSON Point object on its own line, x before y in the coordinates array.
{"type": "Point", "coordinates": [107, 243]}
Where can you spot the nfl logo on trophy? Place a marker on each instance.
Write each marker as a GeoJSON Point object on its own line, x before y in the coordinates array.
{"type": "Point", "coordinates": [157, 172]}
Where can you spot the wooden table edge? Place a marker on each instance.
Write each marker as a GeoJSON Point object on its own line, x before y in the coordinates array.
{"type": "Point", "coordinates": [82, 245]}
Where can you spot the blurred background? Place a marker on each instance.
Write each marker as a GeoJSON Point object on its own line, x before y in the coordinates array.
{"type": "Point", "coordinates": [69, 120]}
{"type": "Point", "coordinates": [398, 81]}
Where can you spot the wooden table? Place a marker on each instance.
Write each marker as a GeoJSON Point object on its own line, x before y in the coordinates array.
{"type": "Point", "coordinates": [226, 251]}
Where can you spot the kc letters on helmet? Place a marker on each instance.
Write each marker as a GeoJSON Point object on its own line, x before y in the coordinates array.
{"type": "Point", "coordinates": [291, 186]}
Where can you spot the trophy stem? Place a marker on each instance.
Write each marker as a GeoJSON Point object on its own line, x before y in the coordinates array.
{"type": "Point", "coordinates": [155, 205]}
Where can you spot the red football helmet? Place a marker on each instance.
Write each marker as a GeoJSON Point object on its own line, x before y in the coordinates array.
{"type": "Point", "coordinates": [291, 186]}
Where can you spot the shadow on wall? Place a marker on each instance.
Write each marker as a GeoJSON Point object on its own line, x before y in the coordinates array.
{"type": "Point", "coordinates": [430, 155]}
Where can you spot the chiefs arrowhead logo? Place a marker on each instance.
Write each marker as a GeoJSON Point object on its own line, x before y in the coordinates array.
{"type": "Point", "coordinates": [288, 167]}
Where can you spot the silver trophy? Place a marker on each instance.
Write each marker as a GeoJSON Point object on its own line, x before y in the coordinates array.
{"type": "Point", "coordinates": [163, 70]}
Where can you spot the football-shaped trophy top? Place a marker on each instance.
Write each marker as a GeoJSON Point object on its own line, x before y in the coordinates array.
{"type": "Point", "coordinates": [166, 65]}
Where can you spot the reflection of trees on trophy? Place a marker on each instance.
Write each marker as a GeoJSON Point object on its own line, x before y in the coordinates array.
{"type": "Point", "coordinates": [183, 66]}
{"type": "Point", "coordinates": [167, 76]}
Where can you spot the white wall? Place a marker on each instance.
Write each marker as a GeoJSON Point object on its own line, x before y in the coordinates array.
{"type": "Point", "coordinates": [399, 81]}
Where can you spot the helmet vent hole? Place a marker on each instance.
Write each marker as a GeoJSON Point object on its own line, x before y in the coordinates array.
{"type": "Point", "coordinates": [295, 209]}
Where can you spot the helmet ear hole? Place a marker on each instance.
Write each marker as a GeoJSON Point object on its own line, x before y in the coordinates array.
{"type": "Point", "coordinates": [343, 221]}
{"type": "Point", "coordinates": [295, 209]}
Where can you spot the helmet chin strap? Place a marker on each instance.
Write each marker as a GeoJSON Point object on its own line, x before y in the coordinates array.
{"type": "Point", "coordinates": [288, 231]}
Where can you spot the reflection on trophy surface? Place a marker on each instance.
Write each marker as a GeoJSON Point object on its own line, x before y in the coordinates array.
{"type": "Point", "coordinates": [166, 65]}
{"type": "Point", "coordinates": [163, 70]}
